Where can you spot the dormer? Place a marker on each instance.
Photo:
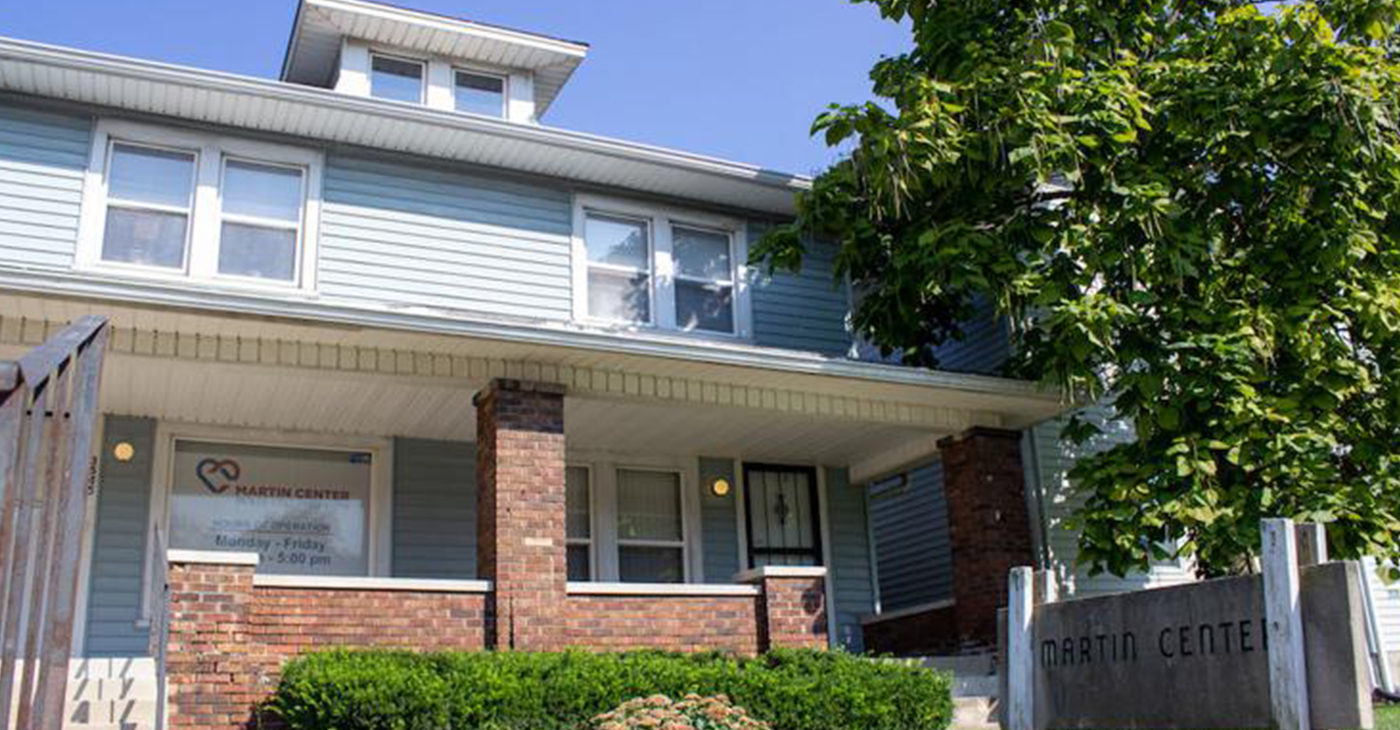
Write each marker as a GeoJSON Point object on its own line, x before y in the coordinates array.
{"type": "Point", "coordinates": [412, 57]}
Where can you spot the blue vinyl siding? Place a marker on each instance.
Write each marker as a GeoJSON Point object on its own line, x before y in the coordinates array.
{"type": "Point", "coordinates": [849, 571]}
{"type": "Point", "coordinates": [42, 159]}
{"type": "Point", "coordinates": [434, 524]}
{"type": "Point", "coordinates": [913, 549]}
{"type": "Point", "coordinates": [421, 236]}
{"type": "Point", "coordinates": [985, 347]}
{"type": "Point", "coordinates": [119, 545]}
{"type": "Point", "coordinates": [719, 528]}
{"type": "Point", "coordinates": [1049, 461]}
{"type": "Point", "coordinates": [802, 311]}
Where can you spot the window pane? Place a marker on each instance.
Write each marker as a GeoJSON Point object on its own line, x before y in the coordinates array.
{"type": "Point", "coordinates": [576, 502]}
{"type": "Point", "coordinates": [391, 78]}
{"type": "Point", "coordinates": [579, 569]}
{"type": "Point", "coordinates": [701, 254]}
{"type": "Point", "coordinates": [619, 296]}
{"type": "Point", "coordinates": [617, 241]}
{"type": "Point", "coordinates": [145, 237]}
{"type": "Point", "coordinates": [705, 307]}
{"type": "Point", "coordinates": [650, 564]}
{"type": "Point", "coordinates": [481, 94]}
{"type": "Point", "coordinates": [152, 176]}
{"type": "Point", "coordinates": [262, 191]}
{"type": "Point", "coordinates": [648, 505]}
{"type": "Point", "coordinates": [265, 253]}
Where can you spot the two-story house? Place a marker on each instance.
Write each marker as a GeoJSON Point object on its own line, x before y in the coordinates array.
{"type": "Point", "coordinates": [394, 362]}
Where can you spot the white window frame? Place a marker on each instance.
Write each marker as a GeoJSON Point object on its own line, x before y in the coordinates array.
{"type": "Point", "coordinates": [591, 542]}
{"type": "Point", "coordinates": [603, 467]}
{"type": "Point", "coordinates": [421, 63]}
{"type": "Point", "coordinates": [187, 210]}
{"type": "Point", "coordinates": [732, 282]}
{"type": "Point", "coordinates": [203, 231]}
{"type": "Point", "coordinates": [683, 544]}
{"type": "Point", "coordinates": [662, 218]}
{"type": "Point", "coordinates": [504, 78]}
{"type": "Point", "coordinates": [650, 271]}
{"type": "Point", "coordinates": [379, 538]}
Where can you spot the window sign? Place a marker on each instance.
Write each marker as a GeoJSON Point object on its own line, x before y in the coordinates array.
{"type": "Point", "coordinates": [303, 511]}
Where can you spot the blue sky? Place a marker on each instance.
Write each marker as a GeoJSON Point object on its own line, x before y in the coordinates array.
{"type": "Point", "coordinates": [739, 79]}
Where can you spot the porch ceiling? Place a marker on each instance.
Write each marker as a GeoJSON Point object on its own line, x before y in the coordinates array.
{"type": "Point", "coordinates": [298, 375]}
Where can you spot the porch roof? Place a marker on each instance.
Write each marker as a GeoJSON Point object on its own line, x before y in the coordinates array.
{"type": "Point", "coordinates": [302, 366]}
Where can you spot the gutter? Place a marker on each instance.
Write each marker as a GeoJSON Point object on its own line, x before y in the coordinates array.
{"type": "Point", "coordinates": [699, 351]}
{"type": "Point", "coordinates": [68, 58]}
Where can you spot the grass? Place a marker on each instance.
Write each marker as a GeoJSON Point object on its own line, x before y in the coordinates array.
{"type": "Point", "coordinates": [1388, 717]}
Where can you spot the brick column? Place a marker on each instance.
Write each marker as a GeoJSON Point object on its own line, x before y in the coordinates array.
{"type": "Point", "coordinates": [791, 606]}
{"type": "Point", "coordinates": [212, 663]}
{"type": "Point", "coordinates": [984, 486]}
{"type": "Point", "coordinates": [520, 511]}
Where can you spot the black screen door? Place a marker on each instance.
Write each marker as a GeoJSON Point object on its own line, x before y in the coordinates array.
{"type": "Point", "coordinates": [783, 522]}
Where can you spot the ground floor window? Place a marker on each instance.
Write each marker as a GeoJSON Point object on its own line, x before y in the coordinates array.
{"type": "Point", "coordinates": [650, 527]}
{"type": "Point", "coordinates": [304, 511]}
{"type": "Point", "coordinates": [628, 523]}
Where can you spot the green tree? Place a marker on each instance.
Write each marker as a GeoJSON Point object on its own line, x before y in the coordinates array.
{"type": "Point", "coordinates": [1186, 208]}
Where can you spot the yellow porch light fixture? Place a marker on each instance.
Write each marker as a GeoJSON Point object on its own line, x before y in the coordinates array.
{"type": "Point", "coordinates": [720, 487]}
{"type": "Point", "coordinates": [123, 451]}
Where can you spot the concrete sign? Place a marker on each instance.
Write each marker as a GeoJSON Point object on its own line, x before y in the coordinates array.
{"type": "Point", "coordinates": [1196, 656]}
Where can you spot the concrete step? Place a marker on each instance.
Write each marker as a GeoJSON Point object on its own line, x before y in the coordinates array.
{"type": "Point", "coordinates": [974, 713]}
{"type": "Point", "coordinates": [110, 694]}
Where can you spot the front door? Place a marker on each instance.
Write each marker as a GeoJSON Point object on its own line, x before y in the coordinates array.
{"type": "Point", "coordinates": [783, 518]}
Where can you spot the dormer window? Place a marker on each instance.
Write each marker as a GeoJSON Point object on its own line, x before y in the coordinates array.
{"type": "Point", "coordinates": [480, 93]}
{"type": "Point", "coordinates": [395, 78]}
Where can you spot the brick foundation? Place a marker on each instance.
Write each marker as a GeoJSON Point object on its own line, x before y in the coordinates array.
{"type": "Point", "coordinates": [984, 485]}
{"type": "Point", "coordinates": [929, 632]}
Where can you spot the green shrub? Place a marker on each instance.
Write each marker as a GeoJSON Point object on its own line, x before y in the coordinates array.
{"type": "Point", "coordinates": [659, 712]}
{"type": "Point", "coordinates": [790, 689]}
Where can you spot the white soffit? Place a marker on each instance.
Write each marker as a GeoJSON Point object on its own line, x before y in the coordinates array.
{"type": "Point", "coordinates": [211, 97]}
{"type": "Point", "coordinates": [314, 48]}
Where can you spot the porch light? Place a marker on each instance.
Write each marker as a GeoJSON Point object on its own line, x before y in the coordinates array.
{"type": "Point", "coordinates": [123, 451]}
{"type": "Point", "coordinates": [720, 487]}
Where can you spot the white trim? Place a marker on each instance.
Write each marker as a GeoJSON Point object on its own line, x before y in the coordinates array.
{"type": "Point", "coordinates": [660, 589]}
{"type": "Point", "coordinates": [746, 186]}
{"type": "Point", "coordinates": [871, 618]}
{"type": "Point", "coordinates": [754, 575]}
{"type": "Point", "coordinates": [204, 214]}
{"type": "Point", "coordinates": [210, 557]}
{"type": "Point", "coordinates": [356, 583]}
{"type": "Point", "coordinates": [824, 515]}
{"type": "Point", "coordinates": [680, 348]}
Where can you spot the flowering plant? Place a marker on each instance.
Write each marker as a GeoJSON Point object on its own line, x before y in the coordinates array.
{"type": "Point", "coordinates": [659, 712]}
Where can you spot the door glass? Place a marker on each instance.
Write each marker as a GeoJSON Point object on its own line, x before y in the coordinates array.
{"type": "Point", "coordinates": [781, 503]}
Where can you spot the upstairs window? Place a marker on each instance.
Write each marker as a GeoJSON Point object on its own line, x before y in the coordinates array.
{"type": "Point", "coordinates": [479, 93]}
{"type": "Point", "coordinates": [173, 203]}
{"type": "Point", "coordinates": [704, 279]}
{"type": "Point", "coordinates": [149, 205]}
{"type": "Point", "coordinates": [656, 267]}
{"type": "Point", "coordinates": [262, 206]}
{"type": "Point", "coordinates": [399, 79]}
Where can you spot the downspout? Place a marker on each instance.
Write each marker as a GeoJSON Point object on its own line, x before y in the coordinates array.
{"type": "Point", "coordinates": [1035, 502]}
{"type": "Point", "coordinates": [1375, 638]}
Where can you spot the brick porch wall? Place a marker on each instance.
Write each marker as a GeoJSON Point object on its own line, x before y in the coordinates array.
{"type": "Point", "coordinates": [229, 637]}
{"type": "Point", "coordinates": [673, 623]}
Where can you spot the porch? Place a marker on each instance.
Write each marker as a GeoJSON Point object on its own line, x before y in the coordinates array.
{"type": "Point", "coordinates": [317, 483]}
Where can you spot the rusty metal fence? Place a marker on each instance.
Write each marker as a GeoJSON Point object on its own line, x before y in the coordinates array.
{"type": "Point", "coordinates": [48, 412]}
